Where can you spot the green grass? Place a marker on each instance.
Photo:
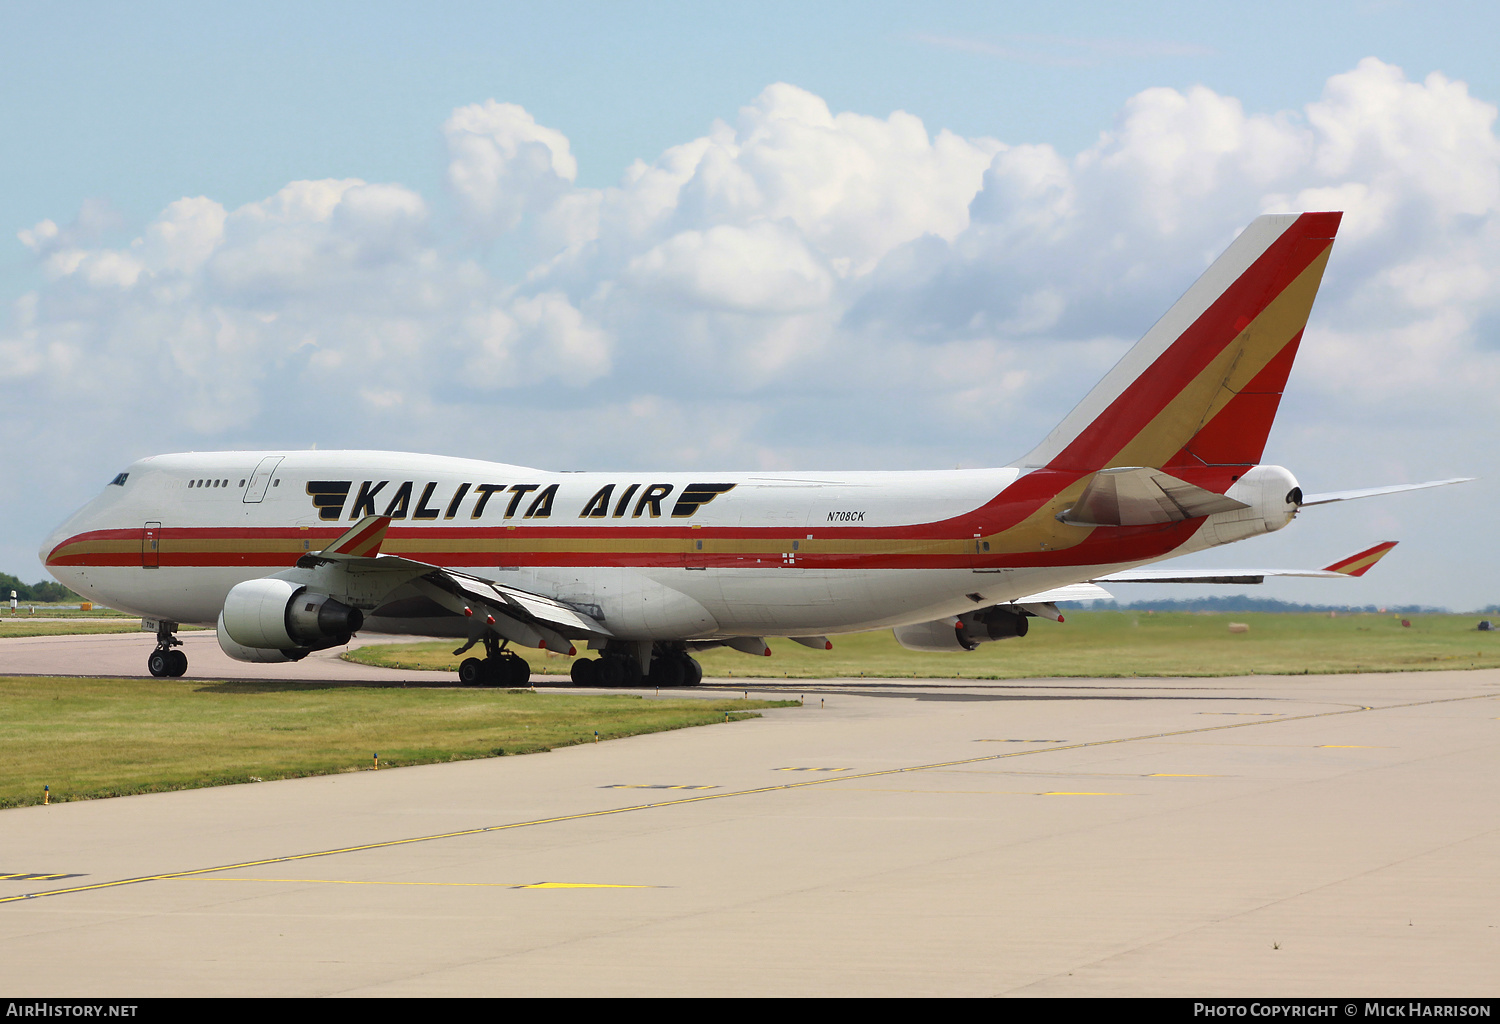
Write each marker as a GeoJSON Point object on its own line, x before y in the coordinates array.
{"type": "Point", "coordinates": [20, 627]}
{"type": "Point", "coordinates": [88, 738]}
{"type": "Point", "coordinates": [99, 620]}
{"type": "Point", "coordinates": [1094, 644]}
{"type": "Point", "coordinates": [53, 611]}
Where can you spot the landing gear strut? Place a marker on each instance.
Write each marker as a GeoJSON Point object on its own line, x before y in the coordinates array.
{"type": "Point", "coordinates": [498, 667]}
{"type": "Point", "coordinates": [165, 661]}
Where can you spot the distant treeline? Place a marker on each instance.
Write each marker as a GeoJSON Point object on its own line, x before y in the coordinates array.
{"type": "Point", "coordinates": [1242, 603]}
{"type": "Point", "coordinates": [45, 590]}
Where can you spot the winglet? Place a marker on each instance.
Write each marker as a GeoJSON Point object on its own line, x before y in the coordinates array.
{"type": "Point", "coordinates": [363, 539]}
{"type": "Point", "coordinates": [1358, 565]}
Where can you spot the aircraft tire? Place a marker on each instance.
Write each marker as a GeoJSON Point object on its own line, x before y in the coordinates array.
{"type": "Point", "coordinates": [178, 665]}
{"type": "Point", "coordinates": [518, 672]}
{"type": "Point", "coordinates": [473, 672]}
{"type": "Point", "coordinates": [611, 674]}
{"type": "Point", "coordinates": [667, 672]}
{"type": "Point", "coordinates": [159, 664]}
{"type": "Point", "coordinates": [692, 671]}
{"type": "Point", "coordinates": [585, 672]}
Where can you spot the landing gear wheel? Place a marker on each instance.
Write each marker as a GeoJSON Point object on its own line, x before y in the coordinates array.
{"type": "Point", "coordinates": [692, 671]}
{"type": "Point", "coordinates": [619, 672]}
{"type": "Point", "coordinates": [472, 672]}
{"type": "Point", "coordinates": [667, 672]}
{"type": "Point", "coordinates": [518, 672]}
{"type": "Point", "coordinates": [166, 660]}
{"type": "Point", "coordinates": [611, 674]}
{"type": "Point", "coordinates": [585, 672]}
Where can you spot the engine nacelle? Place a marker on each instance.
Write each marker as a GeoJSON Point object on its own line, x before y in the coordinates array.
{"type": "Point", "coordinates": [277, 615]}
{"type": "Point", "coordinates": [1273, 496]}
{"type": "Point", "coordinates": [261, 655]}
{"type": "Point", "coordinates": [963, 632]}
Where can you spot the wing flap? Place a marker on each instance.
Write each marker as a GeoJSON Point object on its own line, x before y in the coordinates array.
{"type": "Point", "coordinates": [520, 604]}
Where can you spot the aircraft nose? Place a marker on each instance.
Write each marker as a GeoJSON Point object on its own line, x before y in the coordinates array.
{"type": "Point", "coordinates": [79, 522]}
{"type": "Point", "coordinates": [56, 537]}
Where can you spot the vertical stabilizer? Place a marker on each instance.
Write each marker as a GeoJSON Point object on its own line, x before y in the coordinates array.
{"type": "Point", "coordinates": [1202, 387]}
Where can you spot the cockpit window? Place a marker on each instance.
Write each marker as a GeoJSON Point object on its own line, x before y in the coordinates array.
{"type": "Point", "coordinates": [119, 481]}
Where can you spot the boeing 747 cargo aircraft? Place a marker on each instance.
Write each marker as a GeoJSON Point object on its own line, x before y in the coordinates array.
{"type": "Point", "coordinates": [291, 552]}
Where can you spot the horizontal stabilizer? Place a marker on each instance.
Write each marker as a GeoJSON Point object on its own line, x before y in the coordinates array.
{"type": "Point", "coordinates": [1355, 565]}
{"type": "Point", "coordinates": [1140, 496]}
{"type": "Point", "coordinates": [1211, 575]}
{"type": "Point", "coordinates": [1370, 492]}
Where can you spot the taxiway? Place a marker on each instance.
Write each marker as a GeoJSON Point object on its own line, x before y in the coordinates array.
{"type": "Point", "coordinates": [1308, 835]}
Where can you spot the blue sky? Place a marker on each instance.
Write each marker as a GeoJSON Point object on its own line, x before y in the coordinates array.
{"type": "Point", "coordinates": [146, 102]}
{"type": "Point", "coordinates": [619, 352]}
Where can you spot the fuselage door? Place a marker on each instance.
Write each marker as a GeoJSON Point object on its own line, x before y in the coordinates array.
{"type": "Point", "coordinates": [151, 546]}
{"type": "Point", "coordinates": [261, 479]}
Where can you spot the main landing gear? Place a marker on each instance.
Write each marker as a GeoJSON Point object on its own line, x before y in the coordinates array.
{"type": "Point", "coordinates": [498, 667]}
{"type": "Point", "coordinates": [165, 660]}
{"type": "Point", "coordinates": [620, 667]}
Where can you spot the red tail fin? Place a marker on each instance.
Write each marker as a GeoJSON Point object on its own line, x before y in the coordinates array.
{"type": "Point", "coordinates": [1202, 387]}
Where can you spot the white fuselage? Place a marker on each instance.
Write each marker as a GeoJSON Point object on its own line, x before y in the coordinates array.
{"type": "Point", "coordinates": [654, 556]}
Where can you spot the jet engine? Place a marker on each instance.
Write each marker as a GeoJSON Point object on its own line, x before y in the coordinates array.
{"type": "Point", "coordinates": [275, 620]}
{"type": "Point", "coordinates": [261, 655]}
{"type": "Point", "coordinates": [963, 632]}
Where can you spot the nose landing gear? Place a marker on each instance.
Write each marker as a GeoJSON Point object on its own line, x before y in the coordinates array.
{"type": "Point", "coordinates": [165, 660]}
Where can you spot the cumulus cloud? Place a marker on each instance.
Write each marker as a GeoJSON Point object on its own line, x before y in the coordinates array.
{"type": "Point", "coordinates": [501, 163]}
{"type": "Point", "coordinates": [760, 268]}
{"type": "Point", "coordinates": [797, 285]}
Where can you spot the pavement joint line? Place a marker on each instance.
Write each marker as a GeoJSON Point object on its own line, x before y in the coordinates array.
{"type": "Point", "coordinates": [826, 780]}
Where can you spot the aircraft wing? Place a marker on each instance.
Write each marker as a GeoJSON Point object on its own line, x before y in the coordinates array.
{"type": "Point", "coordinates": [1072, 592]}
{"type": "Point", "coordinates": [353, 569]}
